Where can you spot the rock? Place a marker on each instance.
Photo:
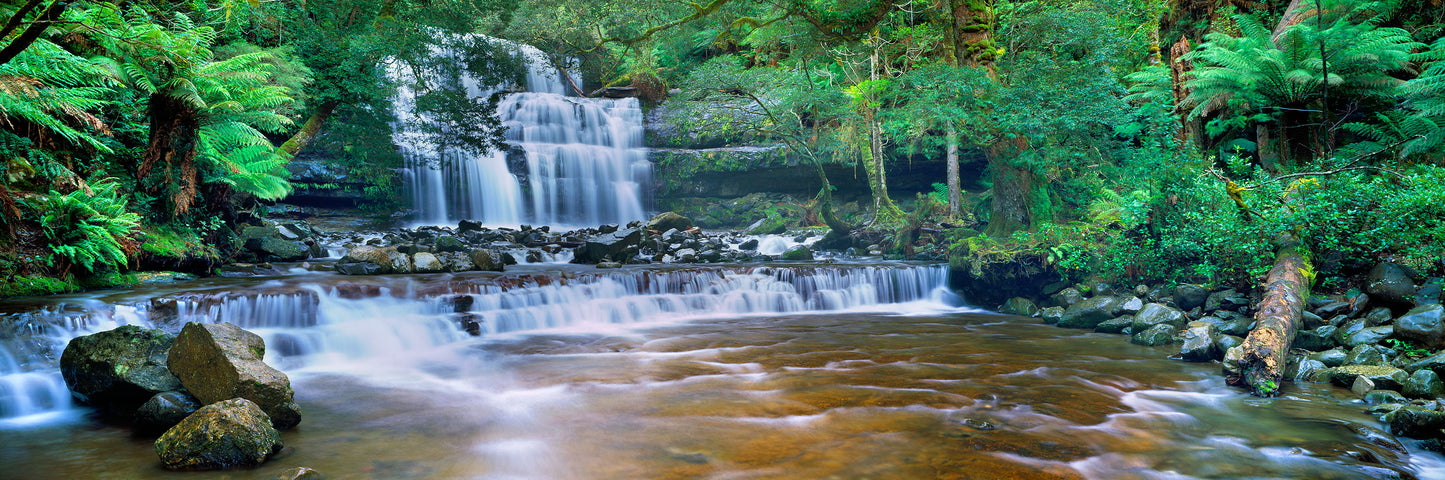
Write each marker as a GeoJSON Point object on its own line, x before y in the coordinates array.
{"type": "Point", "coordinates": [165, 410]}
{"type": "Point", "coordinates": [1306, 370]}
{"type": "Point", "coordinates": [1161, 334]}
{"type": "Point", "coordinates": [1020, 306]}
{"type": "Point", "coordinates": [372, 261]}
{"type": "Point", "coordinates": [1423, 384]}
{"type": "Point", "coordinates": [1416, 422]}
{"type": "Point", "coordinates": [1391, 285]}
{"type": "Point", "coordinates": [1225, 342]}
{"type": "Point", "coordinates": [424, 262]}
{"type": "Point", "coordinates": [1102, 288]}
{"type": "Point", "coordinates": [1088, 313]}
{"type": "Point", "coordinates": [798, 252]}
{"type": "Point", "coordinates": [1238, 326]}
{"type": "Point", "coordinates": [1424, 325]}
{"type": "Point", "coordinates": [1333, 309]}
{"type": "Point", "coordinates": [448, 243]}
{"type": "Point", "coordinates": [1130, 305]}
{"type": "Point", "coordinates": [750, 245]}
{"type": "Point", "coordinates": [1310, 320]}
{"type": "Point", "coordinates": [1429, 294]}
{"type": "Point", "coordinates": [1220, 299]}
{"type": "Point", "coordinates": [470, 226]}
{"type": "Point", "coordinates": [400, 262]}
{"type": "Point", "coordinates": [1158, 314]}
{"type": "Point", "coordinates": [774, 225]}
{"type": "Point", "coordinates": [1052, 315]}
{"type": "Point", "coordinates": [227, 434]}
{"type": "Point", "coordinates": [1188, 297]}
{"type": "Point", "coordinates": [271, 249]}
{"type": "Point", "coordinates": [118, 369]}
{"type": "Point", "coordinates": [1362, 385]}
{"type": "Point", "coordinates": [1115, 325]}
{"type": "Point", "coordinates": [1318, 339]}
{"type": "Point", "coordinates": [1389, 378]}
{"type": "Point", "coordinates": [1331, 358]}
{"type": "Point", "coordinates": [221, 361]}
{"type": "Point", "coordinates": [607, 265]}
{"type": "Point", "coordinates": [1370, 335]}
{"type": "Point", "coordinates": [456, 262]}
{"type": "Point", "coordinates": [985, 281]}
{"type": "Point", "coordinates": [1232, 357]}
{"type": "Point", "coordinates": [483, 260]}
{"type": "Point", "coordinates": [1364, 355]}
{"type": "Point", "coordinates": [669, 220]}
{"type": "Point", "coordinates": [1379, 316]}
{"type": "Point", "coordinates": [1066, 298]}
{"type": "Point", "coordinates": [299, 473]}
{"type": "Point", "coordinates": [1343, 333]}
{"type": "Point", "coordinates": [1382, 396]}
{"type": "Point", "coordinates": [1199, 342]}
{"type": "Point", "coordinates": [364, 268]}
{"type": "Point", "coordinates": [617, 246]}
{"type": "Point", "coordinates": [1434, 363]}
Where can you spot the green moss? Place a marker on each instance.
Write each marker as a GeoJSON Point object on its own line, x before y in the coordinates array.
{"type": "Point", "coordinates": [24, 286]}
{"type": "Point", "coordinates": [176, 243]}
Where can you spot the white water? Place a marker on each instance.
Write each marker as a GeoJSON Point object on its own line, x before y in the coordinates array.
{"type": "Point", "coordinates": [584, 157]}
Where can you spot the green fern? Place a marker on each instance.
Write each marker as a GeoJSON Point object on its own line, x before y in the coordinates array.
{"type": "Point", "coordinates": [49, 87]}
{"type": "Point", "coordinates": [85, 228]}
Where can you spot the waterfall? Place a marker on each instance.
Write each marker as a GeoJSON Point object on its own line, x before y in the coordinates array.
{"type": "Point", "coordinates": [567, 161]}
{"type": "Point", "coordinates": [366, 327]}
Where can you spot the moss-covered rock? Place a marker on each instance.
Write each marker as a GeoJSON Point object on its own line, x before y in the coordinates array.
{"type": "Point", "coordinates": [228, 434]}
{"type": "Point", "coordinates": [221, 361]}
{"type": "Point", "coordinates": [118, 369]}
{"type": "Point", "coordinates": [665, 221]}
{"type": "Point", "coordinates": [1388, 378]}
{"type": "Point", "coordinates": [798, 253]}
{"type": "Point", "coordinates": [1161, 334]}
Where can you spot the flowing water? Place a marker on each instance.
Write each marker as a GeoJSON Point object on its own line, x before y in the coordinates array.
{"type": "Point", "coordinates": [821, 371]}
{"type": "Point", "coordinates": [582, 160]}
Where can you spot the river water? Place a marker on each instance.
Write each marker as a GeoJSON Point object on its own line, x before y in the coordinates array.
{"type": "Point", "coordinates": [838, 371]}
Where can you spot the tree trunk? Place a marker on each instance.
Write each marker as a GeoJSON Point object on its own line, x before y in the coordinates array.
{"type": "Point", "coordinates": [33, 32]}
{"type": "Point", "coordinates": [955, 195]}
{"type": "Point", "coordinates": [1010, 210]}
{"type": "Point", "coordinates": [1260, 360]}
{"type": "Point", "coordinates": [171, 154]}
{"type": "Point", "coordinates": [308, 132]}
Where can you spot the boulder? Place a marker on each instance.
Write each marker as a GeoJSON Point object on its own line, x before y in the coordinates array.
{"type": "Point", "coordinates": [665, 221]}
{"type": "Point", "coordinates": [1222, 299]}
{"type": "Point", "coordinates": [1306, 370]}
{"type": "Point", "coordinates": [1225, 342]}
{"type": "Point", "coordinates": [272, 249]}
{"type": "Point", "coordinates": [1331, 358]}
{"type": "Point", "coordinates": [1434, 363]}
{"type": "Point", "coordinates": [1362, 385]}
{"type": "Point", "coordinates": [1345, 330]}
{"type": "Point", "coordinates": [1429, 293]}
{"type": "Point", "coordinates": [1088, 313]}
{"type": "Point", "coordinates": [1370, 335]}
{"type": "Point", "coordinates": [1188, 297]}
{"type": "Point", "coordinates": [1020, 306]}
{"type": "Point", "coordinates": [617, 246]}
{"type": "Point", "coordinates": [1391, 285]}
{"type": "Point", "coordinates": [1315, 340]}
{"type": "Point", "coordinates": [456, 262]}
{"type": "Point", "coordinates": [774, 225]}
{"type": "Point", "coordinates": [424, 262]}
{"type": "Point", "coordinates": [1379, 316]}
{"type": "Point", "coordinates": [1309, 320]}
{"type": "Point", "coordinates": [1130, 305]}
{"type": "Point", "coordinates": [1200, 342]}
{"type": "Point", "coordinates": [1423, 384]}
{"type": "Point", "coordinates": [1052, 315]}
{"type": "Point", "coordinates": [227, 434]}
{"type": "Point", "coordinates": [750, 245]}
{"type": "Point", "coordinates": [798, 253]}
{"type": "Point", "coordinates": [448, 243]}
{"type": "Point", "coordinates": [118, 369]}
{"type": "Point", "coordinates": [1161, 334]}
{"type": "Point", "coordinates": [221, 361]}
{"type": "Point", "coordinates": [1115, 325]}
{"type": "Point", "coordinates": [1388, 378]}
{"type": "Point", "coordinates": [485, 261]}
{"type": "Point", "coordinates": [369, 260]}
{"type": "Point", "coordinates": [1066, 297]}
{"type": "Point", "coordinates": [1364, 355]}
{"type": "Point", "coordinates": [1424, 325]}
{"type": "Point", "coordinates": [1417, 422]}
{"type": "Point", "coordinates": [1238, 326]}
{"type": "Point", "coordinates": [1382, 396]}
{"type": "Point", "coordinates": [1332, 310]}
{"type": "Point", "coordinates": [1158, 314]}
{"type": "Point", "coordinates": [165, 410]}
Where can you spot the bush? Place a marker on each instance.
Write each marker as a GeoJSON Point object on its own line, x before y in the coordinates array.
{"type": "Point", "coordinates": [85, 228]}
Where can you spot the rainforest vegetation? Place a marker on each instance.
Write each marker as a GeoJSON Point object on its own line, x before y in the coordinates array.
{"type": "Point", "coordinates": [1129, 140]}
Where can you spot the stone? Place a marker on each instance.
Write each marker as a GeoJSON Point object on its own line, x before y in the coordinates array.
{"type": "Point", "coordinates": [1130, 305]}
{"type": "Point", "coordinates": [1391, 285]}
{"type": "Point", "coordinates": [1389, 378]}
{"type": "Point", "coordinates": [456, 261]}
{"type": "Point", "coordinates": [1345, 330]}
{"type": "Point", "coordinates": [1220, 299]}
{"type": "Point", "coordinates": [1370, 335]}
{"type": "Point", "coordinates": [798, 253]}
{"type": "Point", "coordinates": [1052, 315]}
{"type": "Point", "coordinates": [363, 268]}
{"type": "Point", "coordinates": [1333, 309]}
{"type": "Point", "coordinates": [465, 226]}
{"type": "Point", "coordinates": [448, 243]}
{"type": "Point", "coordinates": [1188, 297]}
{"type": "Point", "coordinates": [1161, 334]}
{"type": "Point", "coordinates": [1379, 316]}
{"type": "Point", "coordinates": [1020, 306]}
{"type": "Point", "coordinates": [1331, 358]}
{"type": "Point", "coordinates": [1158, 314]}
{"type": "Point", "coordinates": [272, 249]}
{"type": "Point", "coordinates": [617, 246]}
{"type": "Point", "coordinates": [424, 262]}
{"type": "Point", "coordinates": [219, 361]}
{"type": "Point", "coordinates": [1115, 325]}
{"type": "Point", "coordinates": [1382, 396]}
{"type": "Point", "coordinates": [750, 245]}
{"type": "Point", "coordinates": [1423, 384]}
{"type": "Point", "coordinates": [1315, 340]}
{"type": "Point", "coordinates": [669, 220]}
{"type": "Point", "coordinates": [1066, 298]}
{"type": "Point", "coordinates": [482, 259]}
{"type": "Point", "coordinates": [1434, 363]}
{"type": "Point", "coordinates": [1238, 326]}
{"type": "Point", "coordinates": [118, 369]}
{"type": "Point", "coordinates": [1232, 357]}
{"type": "Point", "coordinates": [774, 225]}
{"type": "Point", "coordinates": [1416, 422]}
{"type": "Point", "coordinates": [232, 433]}
{"type": "Point", "coordinates": [1364, 355]}
{"type": "Point", "coordinates": [165, 410]}
{"type": "Point", "coordinates": [1102, 288]}
{"type": "Point", "coordinates": [1362, 385]}
{"type": "Point", "coordinates": [1306, 370]}
{"type": "Point", "coordinates": [1088, 313]}
{"type": "Point", "coordinates": [299, 473]}
{"type": "Point", "coordinates": [1309, 320]}
{"type": "Point", "coordinates": [1423, 325]}
{"type": "Point", "coordinates": [373, 261]}
{"type": "Point", "coordinates": [1225, 342]}
{"type": "Point", "coordinates": [1199, 342]}
{"type": "Point", "coordinates": [1429, 294]}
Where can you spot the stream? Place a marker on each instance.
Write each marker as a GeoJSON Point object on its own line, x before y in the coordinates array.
{"type": "Point", "coordinates": [775, 371]}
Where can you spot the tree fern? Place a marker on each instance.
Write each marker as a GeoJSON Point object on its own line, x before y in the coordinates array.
{"type": "Point", "coordinates": [50, 88]}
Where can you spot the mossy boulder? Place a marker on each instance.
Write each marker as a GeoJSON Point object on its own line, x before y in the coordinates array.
{"type": "Point", "coordinates": [774, 225]}
{"type": "Point", "coordinates": [165, 410]}
{"type": "Point", "coordinates": [1089, 313]}
{"type": "Point", "coordinates": [1020, 306]}
{"type": "Point", "coordinates": [1388, 378]}
{"type": "Point", "coordinates": [1423, 384]}
{"type": "Point", "coordinates": [988, 275]}
{"type": "Point", "coordinates": [798, 253]}
{"type": "Point", "coordinates": [1417, 422]}
{"type": "Point", "coordinates": [221, 361]}
{"type": "Point", "coordinates": [365, 260]}
{"type": "Point", "coordinates": [232, 433]}
{"type": "Point", "coordinates": [1161, 334]}
{"type": "Point", "coordinates": [665, 221]}
{"type": "Point", "coordinates": [484, 260]}
{"type": "Point", "coordinates": [1158, 314]}
{"type": "Point", "coordinates": [118, 369]}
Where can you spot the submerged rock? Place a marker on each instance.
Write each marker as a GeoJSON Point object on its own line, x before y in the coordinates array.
{"type": "Point", "coordinates": [1115, 325]}
{"type": "Point", "coordinates": [1389, 378]}
{"type": "Point", "coordinates": [299, 473]}
{"type": "Point", "coordinates": [118, 369]}
{"type": "Point", "coordinates": [221, 361]}
{"type": "Point", "coordinates": [227, 434]}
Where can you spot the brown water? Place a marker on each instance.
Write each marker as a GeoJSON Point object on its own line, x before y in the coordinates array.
{"type": "Point", "coordinates": [819, 396]}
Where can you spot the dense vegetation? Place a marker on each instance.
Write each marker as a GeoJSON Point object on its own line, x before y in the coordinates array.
{"type": "Point", "coordinates": [1137, 140]}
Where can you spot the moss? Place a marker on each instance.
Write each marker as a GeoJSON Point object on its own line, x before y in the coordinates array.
{"type": "Point", "coordinates": [175, 243]}
{"type": "Point", "coordinates": [24, 286]}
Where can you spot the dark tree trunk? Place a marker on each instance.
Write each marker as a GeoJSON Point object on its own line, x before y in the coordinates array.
{"type": "Point", "coordinates": [1261, 359]}
{"type": "Point", "coordinates": [33, 32]}
{"type": "Point", "coordinates": [308, 131]}
{"type": "Point", "coordinates": [168, 166]}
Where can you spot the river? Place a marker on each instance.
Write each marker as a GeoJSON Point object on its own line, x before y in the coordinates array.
{"type": "Point", "coordinates": [818, 371]}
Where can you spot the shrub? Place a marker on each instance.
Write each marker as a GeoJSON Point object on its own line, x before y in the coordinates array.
{"type": "Point", "coordinates": [85, 228]}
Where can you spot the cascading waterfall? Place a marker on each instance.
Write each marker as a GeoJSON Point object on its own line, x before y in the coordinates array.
{"type": "Point", "coordinates": [585, 163]}
{"type": "Point", "coordinates": [315, 326]}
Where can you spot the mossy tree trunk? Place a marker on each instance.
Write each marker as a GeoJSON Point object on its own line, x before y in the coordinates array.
{"type": "Point", "coordinates": [1260, 360]}
{"type": "Point", "coordinates": [171, 154]}
{"type": "Point", "coordinates": [308, 131]}
{"type": "Point", "coordinates": [955, 192]}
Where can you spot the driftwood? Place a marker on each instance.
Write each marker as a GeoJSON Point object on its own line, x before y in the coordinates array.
{"type": "Point", "coordinates": [1261, 359]}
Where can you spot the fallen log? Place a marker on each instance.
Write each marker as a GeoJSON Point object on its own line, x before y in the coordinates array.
{"type": "Point", "coordinates": [1259, 362]}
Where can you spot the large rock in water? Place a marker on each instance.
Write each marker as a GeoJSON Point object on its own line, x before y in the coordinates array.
{"type": "Point", "coordinates": [118, 369]}
{"type": "Point", "coordinates": [165, 410]}
{"type": "Point", "coordinates": [364, 260]}
{"type": "Point", "coordinates": [665, 221]}
{"type": "Point", "coordinates": [228, 434]}
{"type": "Point", "coordinates": [617, 246]}
{"type": "Point", "coordinates": [1089, 313]}
{"type": "Point", "coordinates": [220, 361]}
{"type": "Point", "coordinates": [1423, 325]}
{"type": "Point", "coordinates": [1390, 285]}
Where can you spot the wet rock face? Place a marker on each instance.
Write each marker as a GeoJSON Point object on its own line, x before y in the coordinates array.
{"type": "Point", "coordinates": [1424, 325]}
{"type": "Point", "coordinates": [221, 361]}
{"type": "Point", "coordinates": [229, 434]}
{"type": "Point", "coordinates": [118, 369]}
{"type": "Point", "coordinates": [1089, 313]}
{"type": "Point", "coordinates": [1391, 285]}
{"type": "Point", "coordinates": [1188, 297]}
